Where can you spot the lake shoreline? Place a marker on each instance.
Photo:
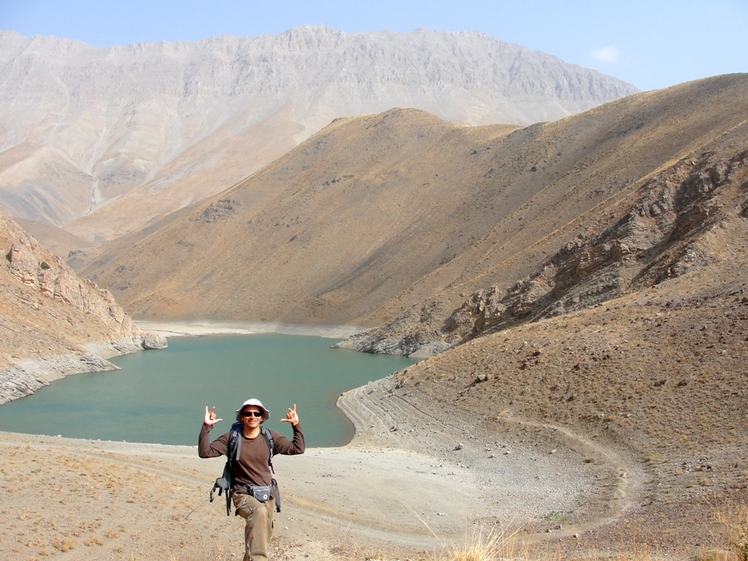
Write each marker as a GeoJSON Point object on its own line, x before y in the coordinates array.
{"type": "Point", "coordinates": [25, 375]}
{"type": "Point", "coordinates": [201, 328]}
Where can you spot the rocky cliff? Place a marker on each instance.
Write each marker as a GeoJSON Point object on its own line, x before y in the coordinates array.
{"type": "Point", "coordinates": [102, 140]}
{"type": "Point", "coordinates": [692, 215]}
{"type": "Point", "coordinates": [52, 322]}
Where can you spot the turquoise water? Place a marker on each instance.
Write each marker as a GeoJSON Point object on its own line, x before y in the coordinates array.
{"type": "Point", "coordinates": [160, 396]}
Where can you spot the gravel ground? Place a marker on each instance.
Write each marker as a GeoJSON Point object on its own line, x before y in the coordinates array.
{"type": "Point", "coordinates": [534, 476]}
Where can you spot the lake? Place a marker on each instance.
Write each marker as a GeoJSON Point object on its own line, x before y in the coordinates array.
{"type": "Point", "coordinates": [160, 396]}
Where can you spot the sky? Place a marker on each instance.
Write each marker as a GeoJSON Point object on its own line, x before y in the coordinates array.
{"type": "Point", "coordinates": [649, 43]}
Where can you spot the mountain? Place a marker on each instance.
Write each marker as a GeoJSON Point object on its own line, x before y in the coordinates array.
{"type": "Point", "coordinates": [404, 213]}
{"type": "Point", "coordinates": [54, 323]}
{"type": "Point", "coordinates": [101, 141]}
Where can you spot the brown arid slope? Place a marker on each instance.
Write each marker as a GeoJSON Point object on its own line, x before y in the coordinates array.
{"type": "Point", "coordinates": [53, 323]}
{"type": "Point", "coordinates": [660, 376]}
{"type": "Point", "coordinates": [689, 215]}
{"type": "Point", "coordinates": [384, 213]}
{"type": "Point", "coordinates": [649, 383]}
{"type": "Point", "coordinates": [632, 337]}
{"type": "Point", "coordinates": [323, 235]}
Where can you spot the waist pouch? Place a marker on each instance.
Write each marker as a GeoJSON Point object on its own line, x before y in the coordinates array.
{"type": "Point", "coordinates": [260, 492]}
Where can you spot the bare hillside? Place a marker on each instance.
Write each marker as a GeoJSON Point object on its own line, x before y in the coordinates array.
{"type": "Point", "coordinates": [590, 276]}
{"type": "Point", "coordinates": [102, 140]}
{"type": "Point", "coordinates": [688, 216]}
{"type": "Point", "coordinates": [377, 214]}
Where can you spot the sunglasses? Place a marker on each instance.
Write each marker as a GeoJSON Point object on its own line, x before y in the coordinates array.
{"type": "Point", "coordinates": [251, 413]}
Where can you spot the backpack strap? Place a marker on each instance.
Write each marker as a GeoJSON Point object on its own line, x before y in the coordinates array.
{"type": "Point", "coordinates": [266, 432]}
{"type": "Point", "coordinates": [235, 443]}
{"type": "Point", "coordinates": [226, 482]}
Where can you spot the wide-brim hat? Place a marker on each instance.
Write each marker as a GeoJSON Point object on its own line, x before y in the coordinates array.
{"type": "Point", "coordinates": [256, 403]}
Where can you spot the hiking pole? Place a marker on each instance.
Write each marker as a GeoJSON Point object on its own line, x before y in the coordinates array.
{"type": "Point", "coordinates": [193, 510]}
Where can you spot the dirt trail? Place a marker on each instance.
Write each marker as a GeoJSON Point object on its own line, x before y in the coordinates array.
{"type": "Point", "coordinates": [544, 478]}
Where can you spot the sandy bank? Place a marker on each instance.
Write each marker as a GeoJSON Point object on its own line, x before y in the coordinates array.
{"type": "Point", "coordinates": [144, 500]}
{"type": "Point", "coordinates": [527, 474]}
{"type": "Point", "coordinates": [199, 328]}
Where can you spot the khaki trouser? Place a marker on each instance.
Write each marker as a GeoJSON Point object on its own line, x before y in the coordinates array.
{"type": "Point", "coordinates": [259, 528]}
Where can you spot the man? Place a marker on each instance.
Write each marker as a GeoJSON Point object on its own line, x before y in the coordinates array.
{"type": "Point", "coordinates": [252, 471]}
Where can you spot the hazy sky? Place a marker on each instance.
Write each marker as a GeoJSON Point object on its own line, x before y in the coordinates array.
{"type": "Point", "coordinates": [649, 43]}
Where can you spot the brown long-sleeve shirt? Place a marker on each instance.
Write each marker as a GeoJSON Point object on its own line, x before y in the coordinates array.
{"type": "Point", "coordinates": [252, 467]}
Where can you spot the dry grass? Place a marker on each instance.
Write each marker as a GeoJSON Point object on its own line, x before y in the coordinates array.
{"type": "Point", "coordinates": [63, 544]}
{"type": "Point", "coordinates": [495, 544]}
{"type": "Point", "coordinates": [213, 553]}
{"type": "Point", "coordinates": [93, 540]}
{"type": "Point", "coordinates": [732, 532]}
{"type": "Point", "coordinates": [486, 544]}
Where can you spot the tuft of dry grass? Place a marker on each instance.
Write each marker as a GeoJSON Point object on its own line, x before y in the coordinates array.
{"type": "Point", "coordinates": [63, 544]}
{"type": "Point", "coordinates": [639, 553]}
{"type": "Point", "coordinates": [733, 531]}
{"type": "Point", "coordinates": [486, 544]}
{"type": "Point", "coordinates": [212, 552]}
{"type": "Point", "coordinates": [93, 540]}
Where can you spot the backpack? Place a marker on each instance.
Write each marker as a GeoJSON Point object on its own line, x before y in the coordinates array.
{"type": "Point", "coordinates": [225, 483]}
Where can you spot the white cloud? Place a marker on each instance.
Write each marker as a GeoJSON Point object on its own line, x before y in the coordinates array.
{"type": "Point", "coordinates": [606, 54]}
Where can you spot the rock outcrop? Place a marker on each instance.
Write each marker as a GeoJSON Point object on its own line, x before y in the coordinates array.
{"type": "Point", "coordinates": [666, 233]}
{"type": "Point", "coordinates": [54, 323]}
{"type": "Point", "coordinates": [683, 219]}
{"type": "Point", "coordinates": [421, 339]}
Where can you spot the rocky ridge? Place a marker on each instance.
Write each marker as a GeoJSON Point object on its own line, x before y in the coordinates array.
{"type": "Point", "coordinates": [679, 222]}
{"type": "Point", "coordinates": [54, 323]}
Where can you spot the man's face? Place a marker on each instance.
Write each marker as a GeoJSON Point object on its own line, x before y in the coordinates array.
{"type": "Point", "coordinates": [252, 416]}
